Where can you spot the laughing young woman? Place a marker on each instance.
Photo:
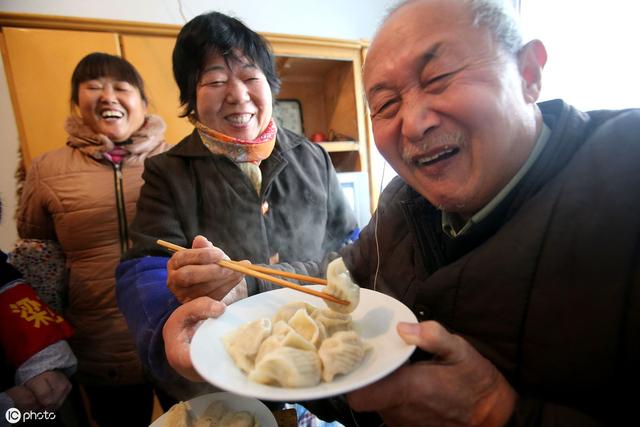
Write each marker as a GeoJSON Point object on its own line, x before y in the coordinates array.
{"type": "Point", "coordinates": [83, 195]}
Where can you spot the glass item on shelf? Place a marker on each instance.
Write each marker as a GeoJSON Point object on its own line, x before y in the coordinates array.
{"type": "Point", "coordinates": [288, 114]}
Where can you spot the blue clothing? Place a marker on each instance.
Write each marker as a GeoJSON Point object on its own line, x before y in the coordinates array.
{"type": "Point", "coordinates": [142, 293]}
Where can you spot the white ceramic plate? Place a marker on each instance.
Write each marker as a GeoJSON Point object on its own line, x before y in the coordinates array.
{"type": "Point", "coordinates": [375, 320]}
{"type": "Point", "coordinates": [233, 401]}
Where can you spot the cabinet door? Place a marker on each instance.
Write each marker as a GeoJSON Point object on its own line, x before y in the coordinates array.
{"type": "Point", "coordinates": [39, 64]}
{"type": "Point", "coordinates": [151, 55]}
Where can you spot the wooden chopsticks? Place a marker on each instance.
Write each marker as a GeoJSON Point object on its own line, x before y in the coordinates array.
{"type": "Point", "coordinates": [266, 274]}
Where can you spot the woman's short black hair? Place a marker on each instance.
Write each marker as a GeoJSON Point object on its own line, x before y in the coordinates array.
{"type": "Point", "coordinates": [217, 33]}
{"type": "Point", "coordinates": [99, 64]}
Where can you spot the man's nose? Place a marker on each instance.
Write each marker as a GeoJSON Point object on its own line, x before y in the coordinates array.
{"type": "Point", "coordinates": [237, 92]}
{"type": "Point", "coordinates": [418, 117]}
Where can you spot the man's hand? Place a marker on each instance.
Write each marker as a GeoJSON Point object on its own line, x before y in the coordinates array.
{"type": "Point", "coordinates": [50, 388]}
{"type": "Point", "coordinates": [458, 387]}
{"type": "Point", "coordinates": [179, 329]}
{"type": "Point", "coordinates": [23, 398]}
{"type": "Point", "coordinates": [194, 272]}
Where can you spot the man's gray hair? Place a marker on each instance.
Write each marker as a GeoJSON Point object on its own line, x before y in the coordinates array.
{"type": "Point", "coordinates": [498, 16]}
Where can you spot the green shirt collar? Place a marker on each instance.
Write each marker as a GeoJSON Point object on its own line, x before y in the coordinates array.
{"type": "Point", "coordinates": [451, 222]}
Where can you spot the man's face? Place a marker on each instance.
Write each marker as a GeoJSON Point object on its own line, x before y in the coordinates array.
{"type": "Point", "coordinates": [447, 105]}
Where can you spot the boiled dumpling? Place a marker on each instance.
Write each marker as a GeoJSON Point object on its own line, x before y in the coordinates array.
{"type": "Point", "coordinates": [213, 414]}
{"type": "Point", "coordinates": [280, 328]}
{"type": "Point", "coordinates": [179, 416]}
{"type": "Point", "coordinates": [290, 339]}
{"type": "Point", "coordinates": [243, 343]}
{"type": "Point", "coordinates": [333, 321]}
{"type": "Point", "coordinates": [238, 419]}
{"type": "Point", "coordinates": [341, 354]}
{"type": "Point", "coordinates": [340, 285]}
{"type": "Point", "coordinates": [287, 311]}
{"type": "Point", "coordinates": [302, 323]}
{"type": "Point", "coordinates": [217, 414]}
{"type": "Point", "coordinates": [288, 367]}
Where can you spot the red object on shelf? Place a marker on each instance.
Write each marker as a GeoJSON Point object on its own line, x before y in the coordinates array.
{"type": "Point", "coordinates": [318, 137]}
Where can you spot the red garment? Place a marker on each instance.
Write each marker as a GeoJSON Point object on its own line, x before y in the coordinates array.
{"type": "Point", "coordinates": [29, 325]}
{"type": "Point", "coordinates": [117, 154]}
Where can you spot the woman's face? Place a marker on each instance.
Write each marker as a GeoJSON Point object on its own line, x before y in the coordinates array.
{"type": "Point", "coordinates": [233, 97]}
{"type": "Point", "coordinates": [111, 107]}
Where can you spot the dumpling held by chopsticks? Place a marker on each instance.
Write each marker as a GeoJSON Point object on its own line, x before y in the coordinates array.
{"type": "Point", "coordinates": [340, 285]}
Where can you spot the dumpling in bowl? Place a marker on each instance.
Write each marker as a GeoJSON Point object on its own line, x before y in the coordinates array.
{"type": "Point", "coordinates": [179, 416]}
{"type": "Point", "coordinates": [238, 419]}
{"type": "Point", "coordinates": [243, 343]}
{"type": "Point", "coordinates": [288, 367]}
{"type": "Point", "coordinates": [290, 339]}
{"type": "Point", "coordinates": [218, 414]}
{"type": "Point", "coordinates": [287, 311]}
{"type": "Point", "coordinates": [312, 331]}
{"type": "Point", "coordinates": [340, 285]}
{"type": "Point", "coordinates": [214, 412]}
{"type": "Point", "coordinates": [341, 354]}
{"type": "Point", "coordinates": [333, 321]}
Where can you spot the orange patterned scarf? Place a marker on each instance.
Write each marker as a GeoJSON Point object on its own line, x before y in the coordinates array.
{"type": "Point", "coordinates": [236, 149]}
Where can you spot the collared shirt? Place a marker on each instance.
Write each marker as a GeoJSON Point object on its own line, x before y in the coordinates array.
{"type": "Point", "coordinates": [451, 222]}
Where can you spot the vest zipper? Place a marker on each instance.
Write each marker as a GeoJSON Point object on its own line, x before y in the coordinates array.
{"type": "Point", "coordinates": [122, 215]}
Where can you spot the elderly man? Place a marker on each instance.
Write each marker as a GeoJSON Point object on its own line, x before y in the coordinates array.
{"type": "Point", "coordinates": [512, 231]}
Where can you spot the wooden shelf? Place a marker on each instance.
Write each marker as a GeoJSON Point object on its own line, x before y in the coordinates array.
{"type": "Point", "coordinates": [340, 146]}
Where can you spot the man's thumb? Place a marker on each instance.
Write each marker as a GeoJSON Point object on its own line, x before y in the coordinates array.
{"type": "Point", "coordinates": [430, 336]}
{"type": "Point", "coordinates": [200, 242]}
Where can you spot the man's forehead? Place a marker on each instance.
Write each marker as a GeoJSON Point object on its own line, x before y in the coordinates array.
{"type": "Point", "coordinates": [426, 15]}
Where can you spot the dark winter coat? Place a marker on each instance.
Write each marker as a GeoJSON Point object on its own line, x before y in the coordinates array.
{"type": "Point", "coordinates": [548, 286]}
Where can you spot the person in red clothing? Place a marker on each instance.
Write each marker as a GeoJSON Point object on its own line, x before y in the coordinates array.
{"type": "Point", "coordinates": [35, 357]}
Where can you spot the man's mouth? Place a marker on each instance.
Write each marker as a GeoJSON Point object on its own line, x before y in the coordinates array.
{"type": "Point", "coordinates": [239, 119]}
{"type": "Point", "coordinates": [441, 154]}
{"type": "Point", "coordinates": [111, 114]}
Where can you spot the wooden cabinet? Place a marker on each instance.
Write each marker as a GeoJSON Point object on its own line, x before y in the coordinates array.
{"type": "Point", "coordinates": [323, 76]}
{"type": "Point", "coordinates": [151, 55]}
{"type": "Point", "coordinates": [38, 64]}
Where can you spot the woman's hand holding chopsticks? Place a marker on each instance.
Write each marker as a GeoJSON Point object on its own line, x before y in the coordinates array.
{"type": "Point", "coordinates": [264, 273]}
{"type": "Point", "coordinates": [193, 273]}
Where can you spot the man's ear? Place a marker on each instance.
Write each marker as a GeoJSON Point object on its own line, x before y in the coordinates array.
{"type": "Point", "coordinates": [531, 60]}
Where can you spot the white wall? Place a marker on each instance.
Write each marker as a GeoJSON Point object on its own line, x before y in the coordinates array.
{"type": "Point", "coordinates": [8, 162]}
{"type": "Point", "coordinates": [355, 19]}
{"type": "Point", "coordinates": [326, 18]}
{"type": "Point", "coordinates": [591, 63]}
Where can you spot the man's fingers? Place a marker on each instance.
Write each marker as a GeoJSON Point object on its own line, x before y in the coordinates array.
{"type": "Point", "coordinates": [432, 337]}
{"type": "Point", "coordinates": [23, 398]}
{"type": "Point", "coordinates": [194, 275]}
{"type": "Point", "coordinates": [197, 256]}
{"type": "Point", "coordinates": [41, 389]}
{"type": "Point", "coordinates": [386, 393]}
{"type": "Point", "coordinates": [50, 389]}
{"type": "Point", "coordinates": [201, 242]}
{"type": "Point", "coordinates": [60, 387]}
